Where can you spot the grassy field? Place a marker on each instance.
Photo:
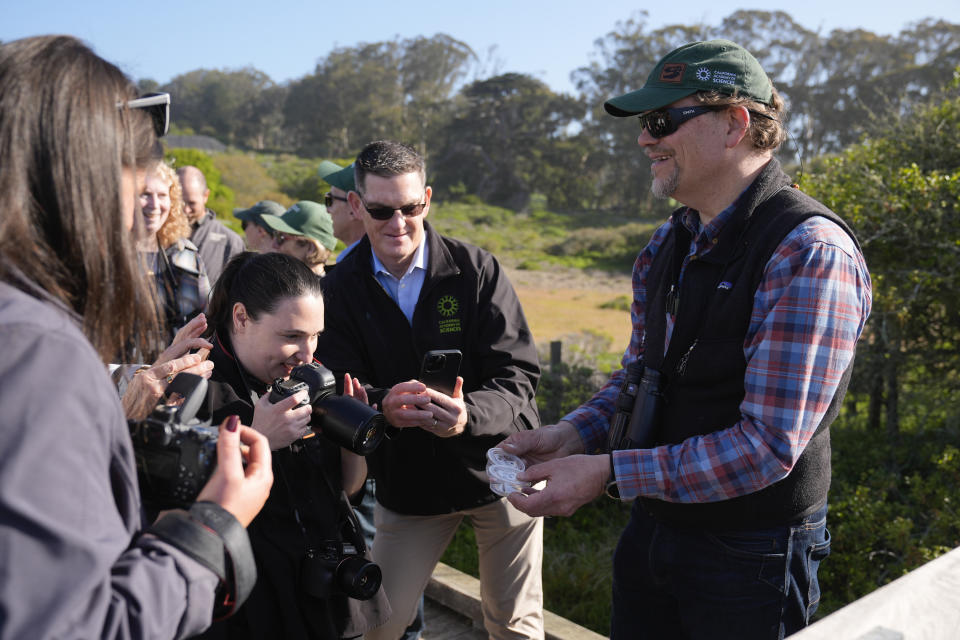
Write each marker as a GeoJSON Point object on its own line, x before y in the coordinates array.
{"type": "Point", "coordinates": [554, 312]}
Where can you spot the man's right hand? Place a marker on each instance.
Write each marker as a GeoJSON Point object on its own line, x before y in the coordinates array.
{"type": "Point", "coordinates": [546, 443]}
{"type": "Point", "coordinates": [238, 488]}
{"type": "Point", "coordinates": [405, 405]}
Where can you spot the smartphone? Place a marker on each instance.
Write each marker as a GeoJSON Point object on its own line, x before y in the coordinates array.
{"type": "Point", "coordinates": [440, 369]}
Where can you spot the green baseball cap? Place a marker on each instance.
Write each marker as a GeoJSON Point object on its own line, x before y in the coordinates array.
{"type": "Point", "coordinates": [714, 65]}
{"type": "Point", "coordinates": [305, 218]}
{"type": "Point", "coordinates": [256, 212]}
{"type": "Point", "coordinates": [337, 176]}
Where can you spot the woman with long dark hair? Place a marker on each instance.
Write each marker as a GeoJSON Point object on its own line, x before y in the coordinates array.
{"type": "Point", "coordinates": [77, 559]}
{"type": "Point", "coordinates": [265, 314]}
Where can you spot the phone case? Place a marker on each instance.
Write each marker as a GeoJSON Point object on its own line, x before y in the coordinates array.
{"type": "Point", "coordinates": [440, 369]}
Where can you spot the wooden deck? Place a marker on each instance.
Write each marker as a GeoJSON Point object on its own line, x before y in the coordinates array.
{"type": "Point", "coordinates": [922, 605]}
{"type": "Point", "coordinates": [452, 610]}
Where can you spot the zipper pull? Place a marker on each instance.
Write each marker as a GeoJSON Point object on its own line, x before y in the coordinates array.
{"type": "Point", "coordinates": [673, 300]}
{"type": "Point", "coordinates": [682, 365]}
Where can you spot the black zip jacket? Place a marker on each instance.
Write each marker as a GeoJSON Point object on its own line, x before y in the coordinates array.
{"type": "Point", "coordinates": [280, 605]}
{"type": "Point", "coordinates": [466, 303]}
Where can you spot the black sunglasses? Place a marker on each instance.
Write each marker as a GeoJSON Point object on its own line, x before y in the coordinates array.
{"type": "Point", "coordinates": [157, 105]}
{"type": "Point", "coordinates": [662, 122]}
{"type": "Point", "coordinates": [385, 213]}
{"type": "Point", "coordinates": [328, 199]}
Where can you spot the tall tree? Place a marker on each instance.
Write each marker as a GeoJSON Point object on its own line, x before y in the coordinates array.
{"type": "Point", "coordinates": [502, 137]}
{"type": "Point", "coordinates": [354, 96]}
{"type": "Point", "coordinates": [237, 107]}
{"type": "Point", "coordinates": [901, 191]}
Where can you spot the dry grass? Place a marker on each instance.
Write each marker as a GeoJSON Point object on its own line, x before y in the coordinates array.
{"type": "Point", "coordinates": [563, 302]}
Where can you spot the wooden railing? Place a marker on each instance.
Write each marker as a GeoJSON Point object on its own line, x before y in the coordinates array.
{"type": "Point", "coordinates": [922, 605]}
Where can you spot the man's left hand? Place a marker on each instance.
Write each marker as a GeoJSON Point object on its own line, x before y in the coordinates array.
{"type": "Point", "coordinates": [449, 412]}
{"type": "Point", "coordinates": [572, 482]}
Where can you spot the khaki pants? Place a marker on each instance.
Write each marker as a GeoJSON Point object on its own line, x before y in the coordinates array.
{"type": "Point", "coordinates": [510, 546]}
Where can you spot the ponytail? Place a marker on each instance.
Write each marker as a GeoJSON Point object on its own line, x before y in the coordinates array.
{"type": "Point", "coordinates": [260, 281]}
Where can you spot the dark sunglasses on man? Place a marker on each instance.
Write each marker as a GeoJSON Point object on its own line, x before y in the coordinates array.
{"type": "Point", "coordinates": [157, 105]}
{"type": "Point", "coordinates": [328, 199]}
{"type": "Point", "coordinates": [385, 213]}
{"type": "Point", "coordinates": [664, 122]}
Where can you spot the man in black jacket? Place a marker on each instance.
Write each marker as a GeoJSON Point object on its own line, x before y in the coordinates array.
{"type": "Point", "coordinates": [405, 290]}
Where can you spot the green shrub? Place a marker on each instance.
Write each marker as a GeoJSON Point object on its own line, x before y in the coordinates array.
{"type": "Point", "coordinates": [620, 303]}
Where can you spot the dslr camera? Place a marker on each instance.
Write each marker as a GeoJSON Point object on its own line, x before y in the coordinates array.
{"type": "Point", "coordinates": [343, 419]}
{"type": "Point", "coordinates": [175, 452]}
{"type": "Point", "coordinates": [339, 568]}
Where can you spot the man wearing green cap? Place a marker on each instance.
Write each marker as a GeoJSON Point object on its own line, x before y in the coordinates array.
{"type": "Point", "coordinates": [258, 233]}
{"type": "Point", "coordinates": [347, 227]}
{"type": "Point", "coordinates": [304, 231]}
{"type": "Point", "coordinates": [747, 307]}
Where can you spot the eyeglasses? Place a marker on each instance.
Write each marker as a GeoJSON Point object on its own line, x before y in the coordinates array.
{"type": "Point", "coordinates": [663, 122]}
{"type": "Point", "coordinates": [157, 105]}
{"type": "Point", "coordinates": [385, 213]}
{"type": "Point", "coordinates": [328, 199]}
{"type": "Point", "coordinates": [280, 238]}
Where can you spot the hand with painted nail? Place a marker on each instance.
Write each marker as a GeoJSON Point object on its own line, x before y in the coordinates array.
{"type": "Point", "coordinates": [241, 482]}
{"type": "Point", "coordinates": [186, 354]}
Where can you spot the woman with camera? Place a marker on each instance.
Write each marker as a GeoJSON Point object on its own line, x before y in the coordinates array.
{"type": "Point", "coordinates": [265, 314]}
{"type": "Point", "coordinates": [78, 561]}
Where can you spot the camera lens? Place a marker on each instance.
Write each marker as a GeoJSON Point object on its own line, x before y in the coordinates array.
{"type": "Point", "coordinates": [350, 423]}
{"type": "Point", "coordinates": [359, 578]}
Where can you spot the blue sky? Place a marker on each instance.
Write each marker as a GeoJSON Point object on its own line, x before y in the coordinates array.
{"type": "Point", "coordinates": [285, 39]}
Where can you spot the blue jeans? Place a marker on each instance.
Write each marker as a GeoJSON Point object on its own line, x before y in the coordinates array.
{"type": "Point", "coordinates": [673, 582]}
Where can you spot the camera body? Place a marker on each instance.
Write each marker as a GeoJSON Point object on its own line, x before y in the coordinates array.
{"type": "Point", "coordinates": [639, 406]}
{"type": "Point", "coordinates": [344, 420]}
{"type": "Point", "coordinates": [339, 568]}
{"type": "Point", "coordinates": [175, 453]}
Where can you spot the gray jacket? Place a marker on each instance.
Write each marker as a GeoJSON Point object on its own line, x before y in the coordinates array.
{"type": "Point", "coordinates": [74, 564]}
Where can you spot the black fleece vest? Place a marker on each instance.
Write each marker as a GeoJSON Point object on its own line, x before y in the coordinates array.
{"type": "Point", "coordinates": [704, 367]}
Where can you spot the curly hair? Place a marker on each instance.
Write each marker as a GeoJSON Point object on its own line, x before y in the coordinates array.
{"type": "Point", "coordinates": [319, 255]}
{"type": "Point", "coordinates": [766, 124]}
{"type": "Point", "coordinates": [176, 225]}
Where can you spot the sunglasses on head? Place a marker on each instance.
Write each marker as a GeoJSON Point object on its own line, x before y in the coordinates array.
{"type": "Point", "coordinates": [328, 199]}
{"type": "Point", "coordinates": [385, 213]}
{"type": "Point", "coordinates": [280, 238]}
{"type": "Point", "coordinates": [157, 105]}
{"type": "Point", "coordinates": [663, 122]}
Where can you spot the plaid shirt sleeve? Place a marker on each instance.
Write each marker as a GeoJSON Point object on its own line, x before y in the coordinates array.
{"type": "Point", "coordinates": [592, 419]}
{"type": "Point", "coordinates": [808, 313]}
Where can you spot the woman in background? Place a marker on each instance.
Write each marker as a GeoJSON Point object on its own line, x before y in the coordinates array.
{"type": "Point", "coordinates": [304, 231]}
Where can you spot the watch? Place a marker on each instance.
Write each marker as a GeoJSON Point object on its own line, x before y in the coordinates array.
{"type": "Point", "coordinates": [612, 489]}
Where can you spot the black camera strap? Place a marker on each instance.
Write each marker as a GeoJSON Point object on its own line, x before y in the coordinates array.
{"type": "Point", "coordinates": [210, 534]}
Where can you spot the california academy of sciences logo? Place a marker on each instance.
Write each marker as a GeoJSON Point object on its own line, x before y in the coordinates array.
{"type": "Point", "coordinates": [447, 307]}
